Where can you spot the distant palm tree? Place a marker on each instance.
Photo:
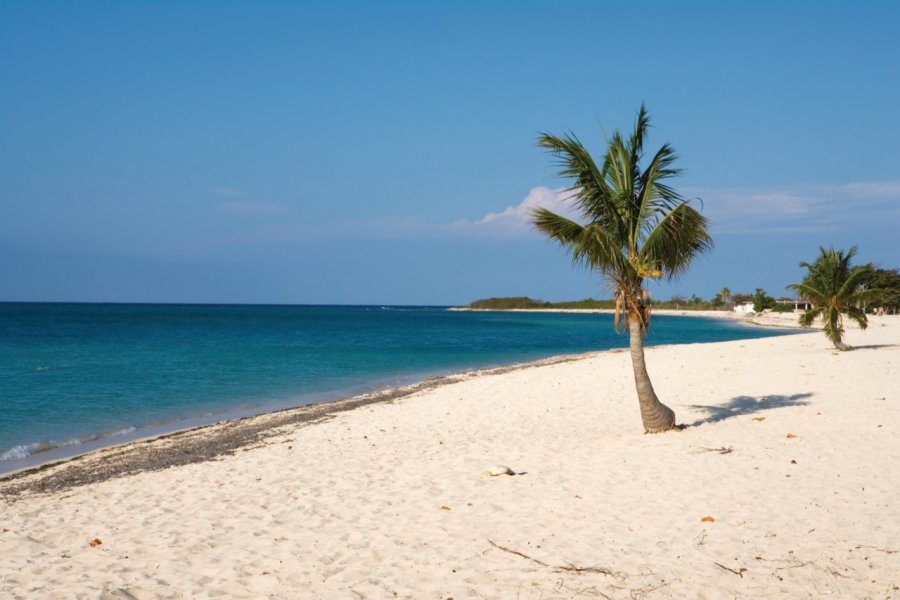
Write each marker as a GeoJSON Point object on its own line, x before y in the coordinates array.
{"type": "Point", "coordinates": [725, 295]}
{"type": "Point", "coordinates": [834, 289]}
{"type": "Point", "coordinates": [636, 228]}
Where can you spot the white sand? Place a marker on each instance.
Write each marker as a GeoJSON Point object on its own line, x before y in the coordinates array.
{"type": "Point", "coordinates": [386, 502]}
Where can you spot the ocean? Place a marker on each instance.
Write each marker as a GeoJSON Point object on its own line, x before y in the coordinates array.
{"type": "Point", "coordinates": [74, 377]}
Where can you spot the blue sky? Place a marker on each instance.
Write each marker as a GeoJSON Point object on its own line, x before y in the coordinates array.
{"type": "Point", "coordinates": [384, 153]}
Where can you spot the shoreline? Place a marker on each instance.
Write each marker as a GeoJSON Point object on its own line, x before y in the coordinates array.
{"type": "Point", "coordinates": [773, 320]}
{"type": "Point", "coordinates": [201, 443]}
{"type": "Point", "coordinates": [782, 485]}
{"type": "Point", "coordinates": [72, 452]}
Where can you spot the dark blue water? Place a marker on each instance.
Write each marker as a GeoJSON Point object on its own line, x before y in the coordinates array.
{"type": "Point", "coordinates": [75, 373]}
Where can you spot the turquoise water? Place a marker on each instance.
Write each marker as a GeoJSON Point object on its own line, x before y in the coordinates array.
{"type": "Point", "coordinates": [72, 375]}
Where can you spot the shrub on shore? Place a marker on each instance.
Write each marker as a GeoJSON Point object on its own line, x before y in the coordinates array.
{"type": "Point", "coordinates": [506, 303]}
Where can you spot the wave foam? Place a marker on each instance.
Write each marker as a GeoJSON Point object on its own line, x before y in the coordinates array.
{"type": "Point", "coordinates": [26, 450]}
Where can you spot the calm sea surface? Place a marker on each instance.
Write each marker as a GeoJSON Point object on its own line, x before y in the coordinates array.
{"type": "Point", "coordinates": [77, 376]}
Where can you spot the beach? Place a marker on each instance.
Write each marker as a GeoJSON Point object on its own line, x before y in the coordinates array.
{"type": "Point", "coordinates": [783, 484]}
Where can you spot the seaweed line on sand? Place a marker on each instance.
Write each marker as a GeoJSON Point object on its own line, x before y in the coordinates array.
{"type": "Point", "coordinates": [211, 442]}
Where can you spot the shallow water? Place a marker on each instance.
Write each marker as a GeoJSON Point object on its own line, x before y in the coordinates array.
{"type": "Point", "coordinates": [77, 376]}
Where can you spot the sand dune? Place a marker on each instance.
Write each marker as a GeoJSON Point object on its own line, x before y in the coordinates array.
{"type": "Point", "coordinates": [784, 485]}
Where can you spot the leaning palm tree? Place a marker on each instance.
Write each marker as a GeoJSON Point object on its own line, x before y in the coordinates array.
{"type": "Point", "coordinates": [834, 289]}
{"type": "Point", "coordinates": [633, 227]}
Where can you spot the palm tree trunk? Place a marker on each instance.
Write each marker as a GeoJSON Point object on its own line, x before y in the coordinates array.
{"type": "Point", "coordinates": [837, 331]}
{"type": "Point", "coordinates": [656, 416]}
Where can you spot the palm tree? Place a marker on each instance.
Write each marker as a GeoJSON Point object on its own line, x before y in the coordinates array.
{"type": "Point", "coordinates": [635, 228]}
{"type": "Point", "coordinates": [725, 295]}
{"type": "Point", "coordinates": [834, 289]}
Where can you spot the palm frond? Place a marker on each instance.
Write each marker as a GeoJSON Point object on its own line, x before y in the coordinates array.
{"type": "Point", "coordinates": [653, 197]}
{"type": "Point", "coordinates": [588, 245]}
{"type": "Point", "coordinates": [853, 282]}
{"type": "Point", "coordinates": [573, 158]}
{"type": "Point", "coordinates": [859, 316]}
{"type": "Point", "coordinates": [808, 317]}
{"type": "Point", "coordinates": [676, 240]}
{"type": "Point", "coordinates": [809, 291]}
{"type": "Point", "coordinates": [593, 195]}
{"type": "Point", "coordinates": [636, 141]}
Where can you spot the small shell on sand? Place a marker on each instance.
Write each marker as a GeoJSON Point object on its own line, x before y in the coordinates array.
{"type": "Point", "coordinates": [500, 470]}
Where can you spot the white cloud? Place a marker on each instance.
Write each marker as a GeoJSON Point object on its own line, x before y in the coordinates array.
{"type": "Point", "coordinates": [252, 208]}
{"type": "Point", "coordinates": [515, 221]}
{"type": "Point", "coordinates": [797, 208]}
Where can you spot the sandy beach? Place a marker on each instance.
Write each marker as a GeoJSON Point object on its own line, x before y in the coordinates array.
{"type": "Point", "coordinates": [784, 484]}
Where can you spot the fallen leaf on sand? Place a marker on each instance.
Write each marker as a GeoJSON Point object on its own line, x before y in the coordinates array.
{"type": "Point", "coordinates": [791, 436]}
{"type": "Point", "coordinates": [708, 519]}
{"type": "Point", "coordinates": [95, 542]}
{"type": "Point", "coordinates": [759, 418]}
{"type": "Point", "coordinates": [445, 507]}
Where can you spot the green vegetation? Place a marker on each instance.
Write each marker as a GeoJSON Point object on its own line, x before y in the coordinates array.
{"type": "Point", "coordinates": [636, 227]}
{"type": "Point", "coordinates": [516, 302]}
{"type": "Point", "coordinates": [881, 287]}
{"type": "Point", "coordinates": [835, 289]}
{"type": "Point", "coordinates": [674, 303]}
{"type": "Point", "coordinates": [521, 302]}
{"type": "Point", "coordinates": [586, 304]}
{"type": "Point", "coordinates": [762, 301]}
{"type": "Point", "coordinates": [884, 286]}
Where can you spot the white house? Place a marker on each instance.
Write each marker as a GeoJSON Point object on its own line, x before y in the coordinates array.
{"type": "Point", "coordinates": [745, 308]}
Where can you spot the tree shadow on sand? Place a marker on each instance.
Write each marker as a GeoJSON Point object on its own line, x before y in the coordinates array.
{"type": "Point", "coordinates": [874, 346]}
{"type": "Point", "coordinates": [746, 405]}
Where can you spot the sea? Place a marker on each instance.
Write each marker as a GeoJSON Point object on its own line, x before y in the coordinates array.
{"type": "Point", "coordinates": [75, 377]}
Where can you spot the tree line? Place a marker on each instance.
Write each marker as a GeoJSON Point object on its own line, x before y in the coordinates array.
{"type": "Point", "coordinates": [881, 286]}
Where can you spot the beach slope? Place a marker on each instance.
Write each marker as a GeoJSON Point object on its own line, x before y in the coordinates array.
{"type": "Point", "coordinates": [784, 484]}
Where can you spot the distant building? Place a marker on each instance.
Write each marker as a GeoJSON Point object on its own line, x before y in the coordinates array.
{"type": "Point", "coordinates": [797, 303]}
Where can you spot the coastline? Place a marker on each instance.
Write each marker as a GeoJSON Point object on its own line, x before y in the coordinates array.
{"type": "Point", "coordinates": [783, 485]}
{"type": "Point", "coordinates": [211, 441]}
{"type": "Point", "coordinates": [140, 434]}
{"type": "Point", "coordinates": [765, 319]}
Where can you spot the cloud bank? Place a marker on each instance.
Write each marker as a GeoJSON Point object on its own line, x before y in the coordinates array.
{"type": "Point", "coordinates": [736, 210]}
{"type": "Point", "coordinates": [861, 206]}
{"type": "Point", "coordinates": [800, 208]}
